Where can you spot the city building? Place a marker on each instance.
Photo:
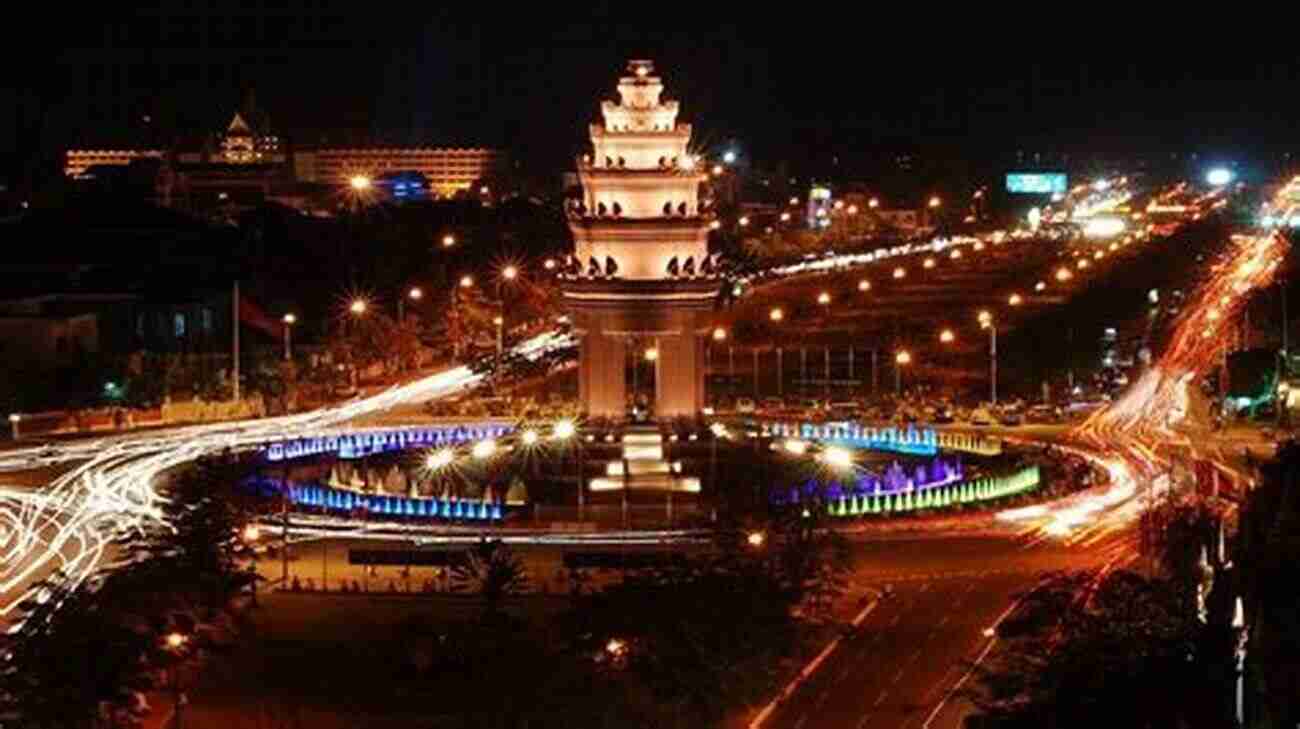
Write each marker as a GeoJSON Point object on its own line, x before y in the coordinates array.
{"type": "Point", "coordinates": [641, 283]}
{"type": "Point", "coordinates": [449, 170]}
{"type": "Point", "coordinates": [249, 162]}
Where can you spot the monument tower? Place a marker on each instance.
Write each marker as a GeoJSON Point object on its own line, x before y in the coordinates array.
{"type": "Point", "coordinates": [641, 283]}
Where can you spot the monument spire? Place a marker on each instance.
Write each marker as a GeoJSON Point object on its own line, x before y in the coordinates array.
{"type": "Point", "coordinates": [639, 215]}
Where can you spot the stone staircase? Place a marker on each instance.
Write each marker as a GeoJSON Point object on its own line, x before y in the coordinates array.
{"type": "Point", "coordinates": [647, 470]}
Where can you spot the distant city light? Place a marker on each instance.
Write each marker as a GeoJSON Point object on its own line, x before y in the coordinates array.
{"type": "Point", "coordinates": [1104, 227]}
{"type": "Point", "coordinates": [729, 157]}
{"type": "Point", "coordinates": [1219, 176]}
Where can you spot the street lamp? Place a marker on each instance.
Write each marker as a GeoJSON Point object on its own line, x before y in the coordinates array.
{"type": "Point", "coordinates": [947, 337]}
{"type": "Point", "coordinates": [288, 320]}
{"type": "Point", "coordinates": [439, 459]}
{"type": "Point", "coordinates": [414, 294]}
{"type": "Point", "coordinates": [510, 272]}
{"type": "Point", "coordinates": [864, 285]}
{"type": "Point", "coordinates": [651, 354]}
{"type": "Point", "coordinates": [776, 314]}
{"type": "Point", "coordinates": [360, 183]}
{"type": "Point", "coordinates": [837, 458]}
{"type": "Point", "coordinates": [466, 281]}
{"type": "Point", "coordinates": [14, 420]}
{"type": "Point", "coordinates": [935, 201]}
{"type": "Point", "coordinates": [900, 272]}
{"type": "Point", "coordinates": [986, 322]}
{"type": "Point", "coordinates": [484, 449]}
{"type": "Point", "coordinates": [901, 359]}
{"type": "Point", "coordinates": [448, 240]}
{"type": "Point", "coordinates": [1064, 274]}
{"type": "Point", "coordinates": [1014, 300]}
{"type": "Point", "coordinates": [928, 263]}
{"type": "Point", "coordinates": [358, 307]}
{"type": "Point", "coordinates": [175, 643]}
{"type": "Point", "coordinates": [873, 203]}
{"type": "Point", "coordinates": [719, 334]}
{"type": "Point", "coordinates": [755, 539]}
{"type": "Point", "coordinates": [565, 430]}
{"type": "Point", "coordinates": [824, 298]}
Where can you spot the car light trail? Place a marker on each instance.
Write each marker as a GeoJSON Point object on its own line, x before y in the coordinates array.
{"type": "Point", "coordinates": [70, 523]}
{"type": "Point", "coordinates": [1124, 438]}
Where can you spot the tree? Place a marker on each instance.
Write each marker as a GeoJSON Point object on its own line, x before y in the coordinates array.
{"type": "Point", "coordinates": [198, 540]}
{"type": "Point", "coordinates": [1268, 555]}
{"type": "Point", "coordinates": [492, 571]}
{"type": "Point", "coordinates": [1124, 651]}
{"type": "Point", "coordinates": [73, 658]}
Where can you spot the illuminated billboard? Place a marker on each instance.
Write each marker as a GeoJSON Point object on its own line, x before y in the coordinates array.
{"type": "Point", "coordinates": [1037, 183]}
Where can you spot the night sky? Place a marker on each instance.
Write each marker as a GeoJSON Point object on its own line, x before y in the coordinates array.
{"type": "Point", "coordinates": [822, 94]}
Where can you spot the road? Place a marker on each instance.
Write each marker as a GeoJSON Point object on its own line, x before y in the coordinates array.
{"type": "Point", "coordinates": [900, 666]}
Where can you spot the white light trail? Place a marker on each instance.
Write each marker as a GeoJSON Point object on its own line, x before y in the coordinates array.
{"type": "Point", "coordinates": [70, 523]}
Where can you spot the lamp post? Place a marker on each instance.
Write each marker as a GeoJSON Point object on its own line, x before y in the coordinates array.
{"type": "Point", "coordinates": [901, 359]}
{"type": "Point", "coordinates": [566, 430]}
{"type": "Point", "coordinates": [415, 293]}
{"type": "Point", "coordinates": [986, 322]}
{"type": "Point", "coordinates": [288, 320]}
{"type": "Point", "coordinates": [14, 420]}
{"type": "Point", "coordinates": [250, 535]}
{"type": "Point", "coordinates": [175, 643]}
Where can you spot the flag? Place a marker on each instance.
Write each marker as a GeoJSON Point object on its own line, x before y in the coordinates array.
{"type": "Point", "coordinates": [251, 315]}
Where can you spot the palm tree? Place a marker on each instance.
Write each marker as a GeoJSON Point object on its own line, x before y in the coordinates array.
{"type": "Point", "coordinates": [492, 571]}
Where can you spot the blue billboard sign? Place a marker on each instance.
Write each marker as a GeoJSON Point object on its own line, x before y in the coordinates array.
{"type": "Point", "coordinates": [1037, 183]}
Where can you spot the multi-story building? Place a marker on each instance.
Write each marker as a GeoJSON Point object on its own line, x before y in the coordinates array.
{"type": "Point", "coordinates": [77, 161]}
{"type": "Point", "coordinates": [449, 170]}
{"type": "Point", "coordinates": [249, 161]}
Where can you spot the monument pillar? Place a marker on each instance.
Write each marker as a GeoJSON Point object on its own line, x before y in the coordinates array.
{"type": "Point", "coordinates": [641, 267]}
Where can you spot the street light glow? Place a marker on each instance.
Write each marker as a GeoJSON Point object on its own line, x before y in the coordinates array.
{"type": "Point", "coordinates": [466, 281]}
{"type": "Point", "coordinates": [903, 357]}
{"type": "Point", "coordinates": [900, 272]}
{"type": "Point", "coordinates": [415, 293]}
{"type": "Point", "coordinates": [289, 319]}
{"type": "Point", "coordinates": [776, 314]}
{"type": "Point", "coordinates": [484, 449]}
{"type": "Point", "coordinates": [176, 640]}
{"type": "Point", "coordinates": [864, 285]}
{"type": "Point", "coordinates": [755, 539]}
{"type": "Point", "coordinates": [448, 240]}
{"type": "Point", "coordinates": [529, 437]}
{"type": "Point", "coordinates": [565, 429]}
{"type": "Point", "coordinates": [510, 272]}
{"type": "Point", "coordinates": [837, 457]}
{"type": "Point", "coordinates": [719, 334]}
{"type": "Point", "coordinates": [935, 201]}
{"type": "Point", "coordinates": [439, 459]}
{"type": "Point", "coordinates": [358, 306]}
{"type": "Point", "coordinates": [651, 354]}
{"type": "Point", "coordinates": [1014, 299]}
{"type": "Point", "coordinates": [795, 446]}
{"type": "Point", "coordinates": [252, 533]}
{"type": "Point", "coordinates": [1219, 176]}
{"type": "Point", "coordinates": [946, 336]}
{"type": "Point", "coordinates": [360, 183]}
{"type": "Point", "coordinates": [823, 298]}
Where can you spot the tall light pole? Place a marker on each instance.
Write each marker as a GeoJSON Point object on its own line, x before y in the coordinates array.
{"type": "Point", "coordinates": [288, 320]}
{"type": "Point", "coordinates": [901, 359]}
{"type": "Point", "coordinates": [415, 293]}
{"type": "Point", "coordinates": [986, 322]}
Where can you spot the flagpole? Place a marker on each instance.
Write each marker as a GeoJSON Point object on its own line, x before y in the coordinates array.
{"type": "Point", "coordinates": [234, 326]}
